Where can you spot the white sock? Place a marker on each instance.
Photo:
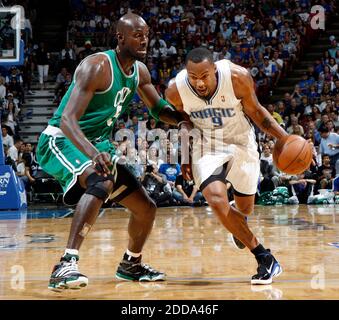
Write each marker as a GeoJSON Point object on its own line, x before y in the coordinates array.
{"type": "Point", "coordinates": [132, 254]}
{"type": "Point", "coordinates": [71, 251]}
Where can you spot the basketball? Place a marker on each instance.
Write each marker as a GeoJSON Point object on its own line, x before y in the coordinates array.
{"type": "Point", "coordinates": [292, 154]}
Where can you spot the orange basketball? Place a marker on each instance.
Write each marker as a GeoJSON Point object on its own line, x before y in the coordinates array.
{"type": "Point", "coordinates": [292, 154]}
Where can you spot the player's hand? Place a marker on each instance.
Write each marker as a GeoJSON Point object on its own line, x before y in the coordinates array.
{"type": "Point", "coordinates": [101, 163]}
{"type": "Point", "coordinates": [186, 170]}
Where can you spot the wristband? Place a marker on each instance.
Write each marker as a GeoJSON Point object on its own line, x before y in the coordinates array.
{"type": "Point", "coordinates": [154, 112]}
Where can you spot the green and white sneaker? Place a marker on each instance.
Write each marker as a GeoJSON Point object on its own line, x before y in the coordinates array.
{"type": "Point", "coordinates": [65, 275]}
{"type": "Point", "coordinates": [138, 271]}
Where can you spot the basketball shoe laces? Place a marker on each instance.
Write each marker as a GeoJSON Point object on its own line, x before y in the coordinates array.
{"type": "Point", "coordinates": [148, 268]}
{"type": "Point", "coordinates": [68, 267]}
{"type": "Point", "coordinates": [143, 268]}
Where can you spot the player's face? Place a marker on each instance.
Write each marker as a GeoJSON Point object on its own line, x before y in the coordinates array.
{"type": "Point", "coordinates": [202, 77]}
{"type": "Point", "coordinates": [136, 41]}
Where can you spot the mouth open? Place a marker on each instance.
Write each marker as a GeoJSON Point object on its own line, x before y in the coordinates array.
{"type": "Point", "coordinates": [202, 92]}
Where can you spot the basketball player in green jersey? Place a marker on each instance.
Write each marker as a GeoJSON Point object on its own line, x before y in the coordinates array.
{"type": "Point", "coordinates": [76, 150]}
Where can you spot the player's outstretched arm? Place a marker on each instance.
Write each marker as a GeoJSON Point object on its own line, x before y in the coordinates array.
{"type": "Point", "coordinates": [172, 95]}
{"type": "Point", "coordinates": [91, 76]}
{"type": "Point", "coordinates": [159, 108]}
{"type": "Point", "coordinates": [243, 86]}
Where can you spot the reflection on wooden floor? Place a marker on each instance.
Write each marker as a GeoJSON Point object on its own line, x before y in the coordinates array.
{"type": "Point", "coordinates": [188, 244]}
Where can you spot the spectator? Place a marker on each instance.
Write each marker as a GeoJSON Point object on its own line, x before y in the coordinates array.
{"type": "Point", "coordinates": [165, 19]}
{"type": "Point", "coordinates": [329, 144]}
{"type": "Point", "coordinates": [298, 94]}
{"type": "Point", "coordinates": [60, 80]}
{"type": "Point", "coordinates": [155, 184]}
{"type": "Point", "coordinates": [8, 160]}
{"type": "Point", "coordinates": [151, 124]}
{"type": "Point", "coordinates": [335, 90]}
{"type": "Point", "coordinates": [14, 74]}
{"type": "Point", "coordinates": [177, 7]}
{"type": "Point", "coordinates": [302, 186]}
{"type": "Point", "coordinates": [10, 117]}
{"type": "Point", "coordinates": [313, 93]}
{"type": "Point", "coordinates": [42, 61]}
{"type": "Point", "coordinates": [295, 128]}
{"type": "Point", "coordinates": [226, 31]}
{"type": "Point", "coordinates": [287, 100]}
{"type": "Point", "coordinates": [326, 173]}
{"type": "Point", "coordinates": [2, 90]}
{"type": "Point", "coordinates": [333, 67]}
{"type": "Point", "coordinates": [24, 174]}
{"type": "Point", "coordinates": [21, 150]}
{"type": "Point", "coordinates": [304, 84]}
{"type": "Point", "coordinates": [329, 125]}
{"type": "Point", "coordinates": [87, 50]}
{"type": "Point", "coordinates": [28, 67]}
{"type": "Point", "coordinates": [270, 70]}
{"type": "Point", "coordinates": [295, 109]}
{"type": "Point", "coordinates": [171, 171]}
{"type": "Point", "coordinates": [68, 57]}
{"type": "Point", "coordinates": [157, 39]}
{"type": "Point", "coordinates": [266, 172]}
{"type": "Point", "coordinates": [275, 115]}
{"type": "Point", "coordinates": [29, 157]}
{"type": "Point", "coordinates": [170, 49]}
{"type": "Point", "coordinates": [262, 84]}
{"type": "Point", "coordinates": [334, 117]}
{"type": "Point", "coordinates": [7, 140]}
{"type": "Point", "coordinates": [290, 48]}
{"type": "Point", "coordinates": [333, 50]}
{"type": "Point", "coordinates": [134, 125]}
{"type": "Point", "coordinates": [13, 151]}
{"type": "Point", "coordinates": [186, 192]}
{"type": "Point", "coordinates": [266, 154]}
{"type": "Point", "coordinates": [153, 157]}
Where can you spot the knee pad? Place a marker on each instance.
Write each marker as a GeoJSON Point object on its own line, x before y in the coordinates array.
{"type": "Point", "coordinates": [96, 186]}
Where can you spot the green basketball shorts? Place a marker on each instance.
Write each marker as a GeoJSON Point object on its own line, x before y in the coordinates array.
{"type": "Point", "coordinates": [60, 158]}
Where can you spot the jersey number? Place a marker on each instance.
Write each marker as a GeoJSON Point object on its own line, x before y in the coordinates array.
{"type": "Point", "coordinates": [118, 103]}
{"type": "Point", "coordinates": [217, 121]}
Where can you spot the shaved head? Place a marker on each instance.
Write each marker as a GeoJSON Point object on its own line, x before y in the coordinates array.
{"type": "Point", "coordinates": [130, 21]}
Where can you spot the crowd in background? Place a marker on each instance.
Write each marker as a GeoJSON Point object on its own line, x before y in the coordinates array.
{"type": "Point", "coordinates": [266, 37]}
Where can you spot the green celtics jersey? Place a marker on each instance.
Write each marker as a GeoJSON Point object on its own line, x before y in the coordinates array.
{"type": "Point", "coordinates": [106, 106]}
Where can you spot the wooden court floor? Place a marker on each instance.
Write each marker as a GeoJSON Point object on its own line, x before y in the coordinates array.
{"type": "Point", "coordinates": [189, 244]}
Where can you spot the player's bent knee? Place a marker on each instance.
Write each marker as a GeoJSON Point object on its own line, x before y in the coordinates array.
{"type": "Point", "coordinates": [146, 211]}
{"type": "Point", "coordinates": [99, 186]}
{"type": "Point", "coordinates": [247, 209]}
{"type": "Point", "coordinates": [151, 209]}
{"type": "Point", "coordinates": [217, 201]}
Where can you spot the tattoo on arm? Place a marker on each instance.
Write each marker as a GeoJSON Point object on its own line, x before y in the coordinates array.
{"type": "Point", "coordinates": [266, 123]}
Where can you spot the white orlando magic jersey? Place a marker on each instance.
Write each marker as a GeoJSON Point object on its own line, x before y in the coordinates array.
{"type": "Point", "coordinates": [222, 114]}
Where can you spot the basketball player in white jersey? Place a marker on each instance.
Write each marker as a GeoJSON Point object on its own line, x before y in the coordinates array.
{"type": "Point", "coordinates": [219, 99]}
